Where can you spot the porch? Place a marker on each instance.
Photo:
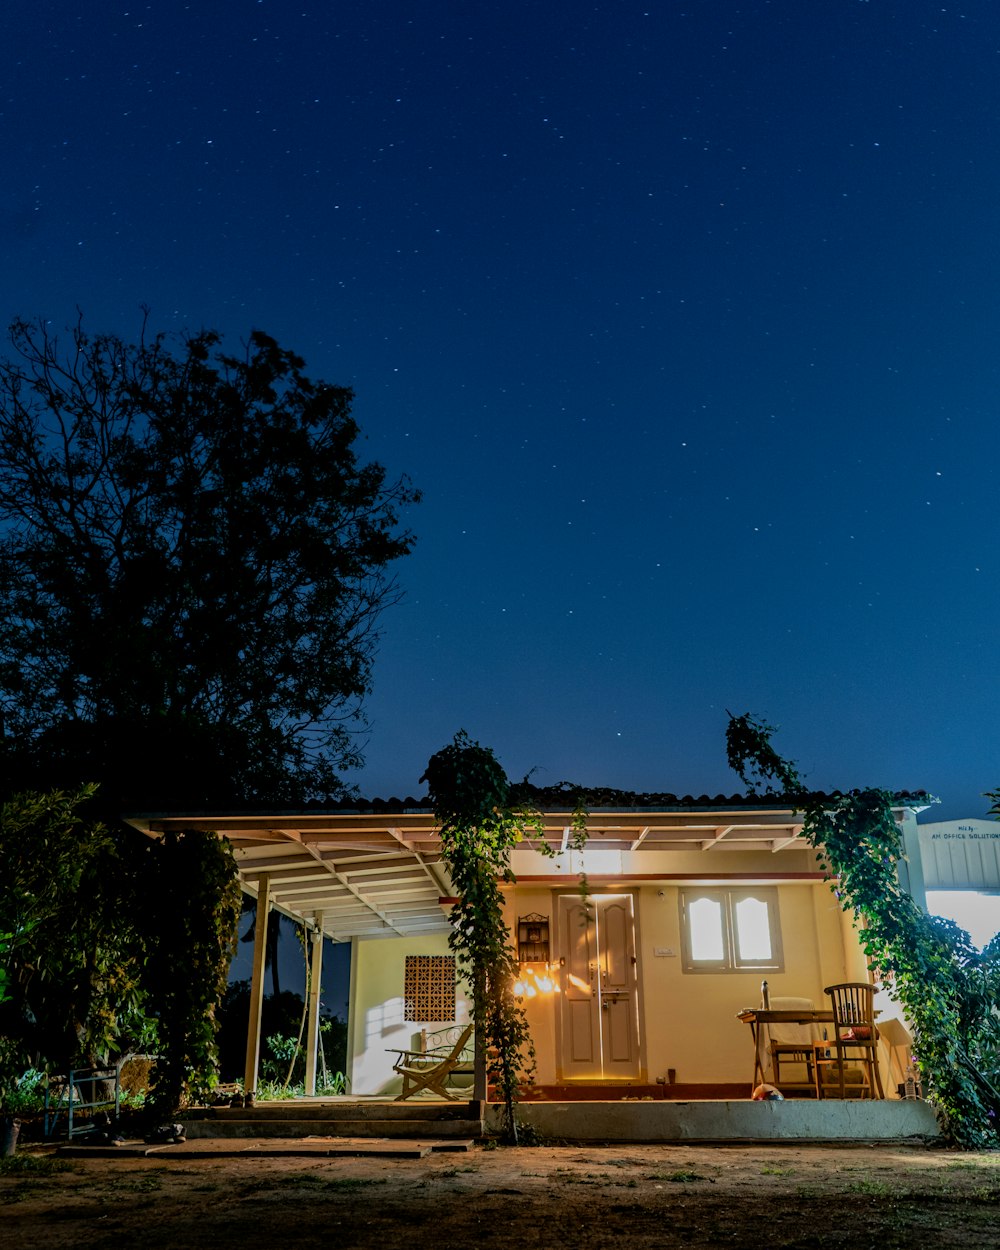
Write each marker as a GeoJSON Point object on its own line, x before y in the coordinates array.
{"type": "Point", "coordinates": [634, 1041]}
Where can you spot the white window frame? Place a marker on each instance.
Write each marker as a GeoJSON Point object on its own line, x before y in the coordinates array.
{"type": "Point", "coordinates": [731, 960]}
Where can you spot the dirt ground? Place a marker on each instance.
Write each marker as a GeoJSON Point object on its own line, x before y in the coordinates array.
{"type": "Point", "coordinates": [631, 1196]}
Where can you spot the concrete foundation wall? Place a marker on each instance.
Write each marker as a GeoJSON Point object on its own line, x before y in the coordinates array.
{"type": "Point", "coordinates": [725, 1121]}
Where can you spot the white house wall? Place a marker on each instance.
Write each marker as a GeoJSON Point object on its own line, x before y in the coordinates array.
{"type": "Point", "coordinates": [376, 1009]}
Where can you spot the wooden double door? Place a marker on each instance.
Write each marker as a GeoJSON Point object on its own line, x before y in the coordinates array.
{"type": "Point", "coordinates": [599, 998]}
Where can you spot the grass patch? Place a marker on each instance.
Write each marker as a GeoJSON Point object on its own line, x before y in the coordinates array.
{"type": "Point", "coordinates": [309, 1180]}
{"type": "Point", "coordinates": [569, 1176]}
{"type": "Point", "coordinates": [680, 1177]}
{"type": "Point", "coordinates": [134, 1184]}
{"type": "Point", "coordinates": [871, 1188]}
{"type": "Point", "coordinates": [34, 1165]}
{"type": "Point", "coordinates": [777, 1171]}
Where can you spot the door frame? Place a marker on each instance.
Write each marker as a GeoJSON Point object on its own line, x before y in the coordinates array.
{"type": "Point", "coordinates": [641, 1077]}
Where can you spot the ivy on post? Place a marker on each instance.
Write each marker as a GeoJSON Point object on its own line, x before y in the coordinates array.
{"type": "Point", "coordinates": [949, 991]}
{"type": "Point", "coordinates": [481, 822]}
{"type": "Point", "coordinates": [482, 816]}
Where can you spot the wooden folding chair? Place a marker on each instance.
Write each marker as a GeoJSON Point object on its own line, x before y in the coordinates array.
{"type": "Point", "coordinates": [430, 1070]}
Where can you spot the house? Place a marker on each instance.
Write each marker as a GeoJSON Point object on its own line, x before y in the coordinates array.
{"type": "Point", "coordinates": [631, 992]}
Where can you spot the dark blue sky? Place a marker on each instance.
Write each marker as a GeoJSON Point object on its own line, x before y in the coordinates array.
{"type": "Point", "coordinates": [684, 316]}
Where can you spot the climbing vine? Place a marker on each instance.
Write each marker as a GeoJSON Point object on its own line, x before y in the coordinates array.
{"type": "Point", "coordinates": [949, 991]}
{"type": "Point", "coordinates": [482, 817]}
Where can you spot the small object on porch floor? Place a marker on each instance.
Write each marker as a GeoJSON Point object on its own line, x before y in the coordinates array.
{"type": "Point", "coordinates": [165, 1135]}
{"type": "Point", "coordinates": [103, 1131]}
{"type": "Point", "coordinates": [767, 1093]}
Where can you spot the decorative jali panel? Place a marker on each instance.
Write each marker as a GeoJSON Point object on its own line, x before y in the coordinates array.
{"type": "Point", "coordinates": [429, 989]}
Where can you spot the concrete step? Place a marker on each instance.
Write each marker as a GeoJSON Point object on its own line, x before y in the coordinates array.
{"type": "Point", "coordinates": [300, 1109]}
{"type": "Point", "coordinates": [316, 1147]}
{"type": "Point", "coordinates": [294, 1127]}
{"type": "Point", "coordinates": [298, 1118]}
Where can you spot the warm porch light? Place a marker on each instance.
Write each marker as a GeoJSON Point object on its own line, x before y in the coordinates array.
{"type": "Point", "coordinates": [533, 982]}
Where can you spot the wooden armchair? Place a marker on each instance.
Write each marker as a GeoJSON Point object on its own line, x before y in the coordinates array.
{"type": "Point", "coordinates": [432, 1069]}
{"type": "Point", "coordinates": [855, 1036]}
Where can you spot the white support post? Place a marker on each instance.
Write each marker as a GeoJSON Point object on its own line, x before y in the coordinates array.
{"type": "Point", "coordinates": [257, 985]}
{"type": "Point", "coordinates": [910, 871]}
{"type": "Point", "coordinates": [312, 1023]}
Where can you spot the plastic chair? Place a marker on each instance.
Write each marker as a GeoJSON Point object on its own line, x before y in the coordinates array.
{"type": "Point", "coordinates": [855, 1034]}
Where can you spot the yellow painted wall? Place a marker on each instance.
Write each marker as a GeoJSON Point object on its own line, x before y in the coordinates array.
{"type": "Point", "coordinates": [689, 1019]}
{"type": "Point", "coordinates": [376, 1009]}
{"type": "Point", "coordinates": [540, 1011]}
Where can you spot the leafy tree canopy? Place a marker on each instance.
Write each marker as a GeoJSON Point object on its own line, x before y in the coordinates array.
{"type": "Point", "coordinates": [71, 978]}
{"type": "Point", "coordinates": [193, 562]}
{"type": "Point", "coordinates": [111, 942]}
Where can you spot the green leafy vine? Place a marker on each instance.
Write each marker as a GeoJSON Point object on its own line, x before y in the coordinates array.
{"type": "Point", "coordinates": [482, 817]}
{"type": "Point", "coordinates": [949, 991]}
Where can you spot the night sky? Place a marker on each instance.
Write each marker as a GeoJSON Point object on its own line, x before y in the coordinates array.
{"type": "Point", "coordinates": [684, 317]}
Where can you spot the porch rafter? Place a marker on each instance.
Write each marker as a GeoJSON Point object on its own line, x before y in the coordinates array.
{"type": "Point", "coordinates": [378, 869]}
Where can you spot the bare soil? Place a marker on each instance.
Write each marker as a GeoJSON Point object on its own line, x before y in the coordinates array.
{"type": "Point", "coordinates": [631, 1196]}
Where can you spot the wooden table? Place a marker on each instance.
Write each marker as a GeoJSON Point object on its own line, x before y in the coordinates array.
{"type": "Point", "coordinates": [757, 1016]}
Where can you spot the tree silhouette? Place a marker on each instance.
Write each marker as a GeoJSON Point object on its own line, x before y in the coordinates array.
{"type": "Point", "coordinates": [193, 563]}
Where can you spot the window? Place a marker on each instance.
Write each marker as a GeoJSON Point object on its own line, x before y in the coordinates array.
{"type": "Point", "coordinates": [429, 988]}
{"type": "Point", "coordinates": [731, 930]}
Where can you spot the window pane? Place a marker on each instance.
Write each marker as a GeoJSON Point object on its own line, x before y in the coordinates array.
{"type": "Point", "coordinates": [705, 921]}
{"type": "Point", "coordinates": [753, 930]}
